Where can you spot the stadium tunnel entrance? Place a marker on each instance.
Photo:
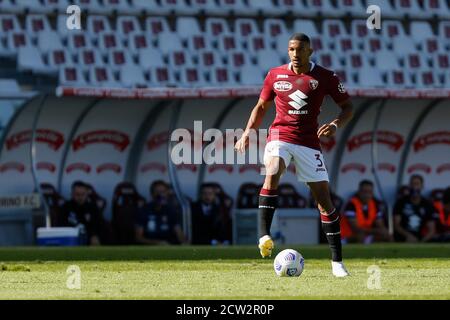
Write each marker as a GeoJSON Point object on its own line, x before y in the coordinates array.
{"type": "Point", "coordinates": [104, 141]}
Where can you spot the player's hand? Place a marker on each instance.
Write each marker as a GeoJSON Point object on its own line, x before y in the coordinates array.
{"type": "Point", "coordinates": [327, 130]}
{"type": "Point", "coordinates": [242, 144]}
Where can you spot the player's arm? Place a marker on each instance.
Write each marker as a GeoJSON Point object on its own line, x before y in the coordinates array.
{"type": "Point", "coordinates": [431, 231]}
{"type": "Point", "coordinates": [140, 238]}
{"type": "Point", "coordinates": [402, 231]}
{"type": "Point", "coordinates": [344, 117]}
{"type": "Point", "coordinates": [253, 123]}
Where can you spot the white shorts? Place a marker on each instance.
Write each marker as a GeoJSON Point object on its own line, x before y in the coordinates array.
{"type": "Point", "coordinates": [309, 163]}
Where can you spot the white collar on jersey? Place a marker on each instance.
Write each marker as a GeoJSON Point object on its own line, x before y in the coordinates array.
{"type": "Point", "coordinates": [311, 63]}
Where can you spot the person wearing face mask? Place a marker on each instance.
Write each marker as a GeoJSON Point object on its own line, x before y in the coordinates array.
{"type": "Point", "coordinates": [79, 212]}
{"type": "Point", "coordinates": [157, 222]}
{"type": "Point", "coordinates": [414, 215]}
{"type": "Point", "coordinates": [363, 214]}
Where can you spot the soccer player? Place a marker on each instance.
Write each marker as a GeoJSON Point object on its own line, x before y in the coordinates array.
{"type": "Point", "coordinates": [299, 89]}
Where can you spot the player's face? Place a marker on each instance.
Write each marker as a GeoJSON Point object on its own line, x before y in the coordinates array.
{"type": "Point", "coordinates": [366, 192]}
{"type": "Point", "coordinates": [79, 195]}
{"type": "Point", "coordinates": [299, 53]}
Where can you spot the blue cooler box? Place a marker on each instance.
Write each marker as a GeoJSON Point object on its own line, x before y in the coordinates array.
{"type": "Point", "coordinates": [58, 236]}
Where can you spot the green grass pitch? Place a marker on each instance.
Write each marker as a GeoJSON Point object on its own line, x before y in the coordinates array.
{"type": "Point", "coordinates": [407, 272]}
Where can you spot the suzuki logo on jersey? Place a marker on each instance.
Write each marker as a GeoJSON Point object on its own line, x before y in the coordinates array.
{"type": "Point", "coordinates": [298, 102]}
{"type": "Point", "coordinates": [282, 86]}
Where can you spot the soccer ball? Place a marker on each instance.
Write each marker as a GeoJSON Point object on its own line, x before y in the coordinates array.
{"type": "Point", "coordinates": [289, 263]}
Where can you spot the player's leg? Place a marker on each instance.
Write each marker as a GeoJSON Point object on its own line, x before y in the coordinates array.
{"type": "Point", "coordinates": [330, 224]}
{"type": "Point", "coordinates": [276, 159]}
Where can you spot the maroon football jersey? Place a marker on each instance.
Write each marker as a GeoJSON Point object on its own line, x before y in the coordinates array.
{"type": "Point", "coordinates": [298, 98]}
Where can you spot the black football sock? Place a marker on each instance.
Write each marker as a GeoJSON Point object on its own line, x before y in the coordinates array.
{"type": "Point", "coordinates": [332, 229]}
{"type": "Point", "coordinates": [268, 201]}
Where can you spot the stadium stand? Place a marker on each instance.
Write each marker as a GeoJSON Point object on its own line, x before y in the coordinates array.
{"type": "Point", "coordinates": [148, 32]}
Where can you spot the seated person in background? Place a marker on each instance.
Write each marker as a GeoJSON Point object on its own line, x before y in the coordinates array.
{"type": "Point", "coordinates": [443, 219]}
{"type": "Point", "coordinates": [206, 222]}
{"type": "Point", "coordinates": [157, 222]}
{"type": "Point", "coordinates": [79, 212]}
{"type": "Point", "coordinates": [364, 214]}
{"type": "Point", "coordinates": [414, 216]}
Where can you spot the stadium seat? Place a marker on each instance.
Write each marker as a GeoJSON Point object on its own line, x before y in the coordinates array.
{"type": "Point", "coordinates": [35, 23]}
{"type": "Point", "coordinates": [370, 77]}
{"type": "Point", "coordinates": [100, 76]}
{"type": "Point", "coordinates": [427, 79]}
{"type": "Point", "coordinates": [192, 77]}
{"type": "Point", "coordinates": [132, 76]}
{"type": "Point", "coordinates": [387, 10]}
{"type": "Point", "coordinates": [8, 23]}
{"type": "Point", "coordinates": [227, 42]}
{"type": "Point", "coordinates": [386, 60]}
{"type": "Point", "coordinates": [179, 7]}
{"type": "Point", "coordinates": [156, 25]}
{"type": "Point", "coordinates": [248, 195]}
{"type": "Point", "coordinates": [250, 75]}
{"type": "Point", "coordinates": [168, 42]}
{"type": "Point", "coordinates": [288, 197]}
{"type": "Point", "coordinates": [221, 76]}
{"type": "Point", "coordinates": [403, 45]}
{"type": "Point", "coordinates": [152, 7]}
{"type": "Point", "coordinates": [359, 30]}
{"type": "Point", "coordinates": [441, 61]}
{"type": "Point", "coordinates": [119, 58]}
{"type": "Point", "coordinates": [411, 8]}
{"type": "Point", "coordinates": [328, 60]}
{"type": "Point", "coordinates": [398, 78]}
{"type": "Point", "coordinates": [209, 58]}
{"type": "Point", "coordinates": [265, 8]}
{"type": "Point", "coordinates": [126, 202]}
{"type": "Point", "coordinates": [78, 40]}
{"type": "Point", "coordinates": [17, 40]}
{"type": "Point", "coordinates": [71, 76]}
{"type": "Point", "coordinates": [162, 76]}
{"type": "Point", "coordinates": [58, 58]}
{"type": "Point", "coordinates": [109, 41]}
{"type": "Point", "coordinates": [256, 43]}
{"type": "Point", "coordinates": [138, 41]}
{"type": "Point", "coordinates": [54, 202]}
{"type": "Point", "coordinates": [96, 24]}
{"type": "Point", "coordinates": [268, 59]}
{"type": "Point", "coordinates": [355, 8]}
{"type": "Point", "coordinates": [306, 26]}
{"type": "Point", "coordinates": [245, 28]}
{"type": "Point", "coordinates": [343, 44]}
{"type": "Point", "coordinates": [94, 7]}
{"type": "Point", "coordinates": [89, 57]}
{"type": "Point", "coordinates": [332, 28]}
{"type": "Point", "coordinates": [199, 42]}
{"type": "Point", "coordinates": [180, 58]}
{"type": "Point", "coordinates": [156, 59]}
{"type": "Point", "coordinates": [294, 7]}
{"type": "Point", "coordinates": [414, 62]}
{"type": "Point", "coordinates": [355, 60]}
{"type": "Point", "coordinates": [438, 8]}
{"type": "Point", "coordinates": [8, 6]}
{"type": "Point", "coordinates": [234, 7]}
{"type": "Point", "coordinates": [282, 43]}
{"type": "Point", "coordinates": [30, 59]}
{"type": "Point", "coordinates": [432, 45]}
{"type": "Point", "coordinates": [420, 31]}
{"type": "Point", "coordinates": [372, 45]}
{"type": "Point", "coordinates": [121, 7]}
{"type": "Point", "coordinates": [392, 29]}
{"type": "Point", "coordinates": [126, 25]}
{"type": "Point", "coordinates": [217, 26]}
{"type": "Point", "coordinates": [444, 31]}
{"type": "Point", "coordinates": [49, 40]}
{"type": "Point", "coordinates": [272, 28]}
{"type": "Point", "coordinates": [187, 26]}
{"type": "Point", "coordinates": [324, 7]}
{"type": "Point", "coordinates": [207, 7]}
{"type": "Point", "coordinates": [237, 59]}
{"type": "Point", "coordinates": [9, 86]}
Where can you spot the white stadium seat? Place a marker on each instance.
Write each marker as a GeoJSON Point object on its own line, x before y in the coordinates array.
{"type": "Point", "coordinates": [386, 60]}
{"type": "Point", "coordinates": [403, 45]}
{"type": "Point", "coordinates": [414, 61]}
{"type": "Point", "coordinates": [220, 76]}
{"type": "Point", "coordinates": [324, 7]}
{"type": "Point", "coordinates": [132, 76]}
{"type": "Point", "coordinates": [370, 77]}
{"type": "Point", "coordinates": [432, 45]}
{"type": "Point", "coordinates": [119, 58]}
{"type": "Point", "coordinates": [109, 41]}
{"type": "Point", "coordinates": [93, 6]}
{"type": "Point", "coordinates": [236, 7]}
{"type": "Point", "coordinates": [199, 42]}
{"type": "Point", "coordinates": [187, 26]}
{"type": "Point", "coordinates": [305, 26]}
{"type": "Point", "coordinates": [266, 8]}
{"type": "Point", "coordinates": [121, 6]}
{"type": "Point", "coordinates": [179, 7]}
{"type": "Point", "coordinates": [372, 45]}
{"type": "Point", "coordinates": [355, 60]}
{"type": "Point", "coordinates": [138, 41]}
{"type": "Point", "coordinates": [9, 6]}
{"type": "Point", "coordinates": [282, 43]}
{"type": "Point", "coordinates": [102, 77]}
{"type": "Point", "coordinates": [48, 41]}
{"type": "Point", "coordinates": [343, 44]}
{"type": "Point", "coordinates": [71, 76]}
{"type": "Point", "coordinates": [89, 57]}
{"type": "Point", "coordinates": [392, 29]}
{"type": "Point", "coordinates": [359, 29]}
{"type": "Point", "coordinates": [268, 58]}
{"type": "Point", "coordinates": [228, 42]}
{"type": "Point", "coordinates": [251, 75]}
{"type": "Point", "coordinates": [256, 43]}
{"type": "Point", "coordinates": [162, 76]}
{"type": "Point", "coordinates": [8, 23]}
{"type": "Point", "coordinates": [332, 28]}
{"type": "Point", "coordinates": [30, 59]}
{"type": "Point", "coordinates": [397, 78]}
{"type": "Point", "coordinates": [386, 8]}
{"type": "Point", "coordinates": [208, 58]}
{"type": "Point", "coordinates": [427, 79]}
{"type": "Point", "coordinates": [207, 7]}
{"type": "Point", "coordinates": [150, 57]}
{"type": "Point", "coordinates": [237, 59]}
{"type": "Point", "coordinates": [59, 58]}
{"type": "Point", "coordinates": [353, 7]}
{"type": "Point", "coordinates": [274, 27]}
{"type": "Point", "coordinates": [444, 31]}
{"type": "Point", "coordinates": [327, 60]}
{"type": "Point", "coordinates": [9, 86]}
{"type": "Point", "coordinates": [420, 30]}
{"type": "Point", "coordinates": [441, 61]}
{"type": "Point", "coordinates": [150, 7]}
{"type": "Point", "coordinates": [412, 9]}
{"type": "Point", "coordinates": [17, 40]}
{"type": "Point", "coordinates": [35, 23]}
{"type": "Point", "coordinates": [180, 58]}
{"type": "Point", "coordinates": [169, 41]}
{"type": "Point", "coordinates": [78, 40]}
